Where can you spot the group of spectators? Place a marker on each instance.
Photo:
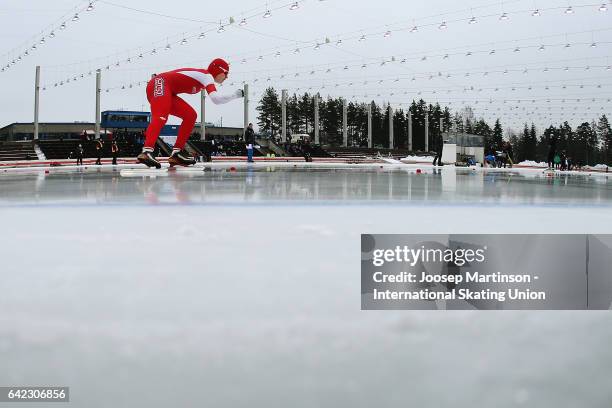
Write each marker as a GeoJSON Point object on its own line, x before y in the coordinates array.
{"type": "Point", "coordinates": [305, 149]}
{"type": "Point", "coordinates": [501, 158]}
{"type": "Point", "coordinates": [79, 151]}
{"type": "Point", "coordinates": [559, 161]}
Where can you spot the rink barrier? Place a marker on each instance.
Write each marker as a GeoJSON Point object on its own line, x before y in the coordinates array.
{"type": "Point", "coordinates": [222, 159]}
{"type": "Point", "coordinates": [131, 160]}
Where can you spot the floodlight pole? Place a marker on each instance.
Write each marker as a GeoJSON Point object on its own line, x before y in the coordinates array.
{"type": "Point", "coordinates": [426, 130]}
{"type": "Point", "coordinates": [98, 84]}
{"type": "Point", "coordinates": [246, 107]}
{"type": "Point", "coordinates": [370, 125]}
{"type": "Point", "coordinates": [344, 123]}
{"type": "Point", "coordinates": [390, 127]}
{"type": "Point", "coordinates": [284, 115]}
{"type": "Point", "coordinates": [202, 115]}
{"type": "Point", "coordinates": [409, 131]}
{"type": "Point", "coordinates": [316, 118]}
{"type": "Point", "coordinates": [36, 101]}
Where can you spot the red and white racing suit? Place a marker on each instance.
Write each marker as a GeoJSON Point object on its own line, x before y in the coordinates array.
{"type": "Point", "coordinates": [162, 93]}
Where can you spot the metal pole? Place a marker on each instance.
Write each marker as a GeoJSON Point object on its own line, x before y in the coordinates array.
{"type": "Point", "coordinates": [410, 131]}
{"type": "Point", "coordinates": [284, 115]}
{"type": "Point", "coordinates": [390, 127]}
{"type": "Point", "coordinates": [426, 130]}
{"type": "Point", "coordinates": [316, 118]}
{"type": "Point", "coordinates": [344, 123]}
{"type": "Point", "coordinates": [36, 101]}
{"type": "Point", "coordinates": [246, 106]}
{"type": "Point", "coordinates": [202, 115]}
{"type": "Point", "coordinates": [370, 125]}
{"type": "Point", "coordinates": [98, 84]}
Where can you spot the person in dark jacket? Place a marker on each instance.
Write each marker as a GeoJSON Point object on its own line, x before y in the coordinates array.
{"type": "Point", "coordinates": [438, 146]}
{"type": "Point", "coordinates": [114, 151]}
{"type": "Point", "coordinates": [99, 146]}
{"type": "Point", "coordinates": [79, 155]}
{"type": "Point", "coordinates": [563, 158]}
{"type": "Point", "coordinates": [249, 138]}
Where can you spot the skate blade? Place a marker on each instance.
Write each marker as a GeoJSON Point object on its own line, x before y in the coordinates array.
{"type": "Point", "coordinates": [178, 165]}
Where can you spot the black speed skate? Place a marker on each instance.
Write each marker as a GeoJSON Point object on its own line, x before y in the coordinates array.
{"type": "Point", "coordinates": [181, 158]}
{"type": "Point", "coordinates": [147, 159]}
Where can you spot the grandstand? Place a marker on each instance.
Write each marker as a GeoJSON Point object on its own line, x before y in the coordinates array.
{"type": "Point", "coordinates": [17, 151]}
{"type": "Point", "coordinates": [65, 149]}
{"type": "Point", "coordinates": [365, 152]}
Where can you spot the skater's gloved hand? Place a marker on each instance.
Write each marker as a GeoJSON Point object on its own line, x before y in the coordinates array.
{"type": "Point", "coordinates": [239, 93]}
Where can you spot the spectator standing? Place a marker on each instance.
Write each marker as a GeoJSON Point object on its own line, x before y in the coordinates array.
{"type": "Point", "coordinates": [438, 146]}
{"type": "Point", "coordinates": [99, 146]}
{"type": "Point", "coordinates": [79, 155]}
{"type": "Point", "coordinates": [563, 159]}
{"type": "Point", "coordinates": [249, 138]}
{"type": "Point", "coordinates": [114, 151]}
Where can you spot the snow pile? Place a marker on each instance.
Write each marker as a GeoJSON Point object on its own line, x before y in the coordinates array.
{"type": "Point", "coordinates": [532, 163]}
{"type": "Point", "coordinates": [418, 159]}
{"type": "Point", "coordinates": [600, 167]}
{"type": "Point", "coordinates": [391, 161]}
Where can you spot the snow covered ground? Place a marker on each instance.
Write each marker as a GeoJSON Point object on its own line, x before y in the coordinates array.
{"type": "Point", "coordinates": [242, 288]}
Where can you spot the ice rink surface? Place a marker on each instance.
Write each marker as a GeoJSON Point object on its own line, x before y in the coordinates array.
{"type": "Point", "coordinates": [224, 287]}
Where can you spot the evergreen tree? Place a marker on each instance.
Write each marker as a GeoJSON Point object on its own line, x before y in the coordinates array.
{"type": "Point", "coordinates": [357, 117]}
{"type": "Point", "coordinates": [293, 118]}
{"type": "Point", "coordinates": [604, 133]}
{"type": "Point", "coordinates": [532, 144]}
{"type": "Point", "coordinates": [400, 132]}
{"type": "Point", "coordinates": [573, 148]}
{"type": "Point", "coordinates": [468, 126]}
{"type": "Point", "coordinates": [483, 129]}
{"type": "Point", "coordinates": [514, 140]}
{"type": "Point", "coordinates": [378, 137]}
{"type": "Point", "coordinates": [458, 123]}
{"type": "Point", "coordinates": [269, 116]}
{"type": "Point", "coordinates": [418, 125]}
{"type": "Point", "coordinates": [435, 114]}
{"type": "Point", "coordinates": [561, 139]}
{"type": "Point", "coordinates": [468, 116]}
{"type": "Point", "coordinates": [305, 111]}
{"type": "Point", "coordinates": [543, 144]}
{"type": "Point", "coordinates": [521, 150]}
{"type": "Point", "coordinates": [384, 129]}
{"type": "Point", "coordinates": [497, 137]}
{"type": "Point", "coordinates": [586, 140]}
{"type": "Point", "coordinates": [447, 120]}
{"type": "Point", "coordinates": [331, 118]}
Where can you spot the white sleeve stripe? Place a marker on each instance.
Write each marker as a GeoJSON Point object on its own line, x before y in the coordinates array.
{"type": "Point", "coordinates": [204, 79]}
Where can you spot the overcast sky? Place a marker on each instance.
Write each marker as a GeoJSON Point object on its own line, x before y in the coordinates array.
{"type": "Point", "coordinates": [110, 33]}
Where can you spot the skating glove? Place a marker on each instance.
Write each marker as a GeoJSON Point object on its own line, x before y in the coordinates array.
{"type": "Point", "coordinates": [239, 93]}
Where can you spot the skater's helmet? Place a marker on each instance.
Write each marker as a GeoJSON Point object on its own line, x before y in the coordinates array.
{"type": "Point", "coordinates": [218, 66]}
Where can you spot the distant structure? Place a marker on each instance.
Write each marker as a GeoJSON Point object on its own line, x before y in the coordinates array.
{"type": "Point", "coordinates": [459, 147]}
{"type": "Point", "coordinates": [127, 121]}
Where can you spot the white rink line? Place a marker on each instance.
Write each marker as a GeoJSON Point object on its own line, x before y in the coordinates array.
{"type": "Point", "coordinates": [241, 165]}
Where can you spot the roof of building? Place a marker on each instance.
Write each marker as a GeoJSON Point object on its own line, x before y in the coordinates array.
{"type": "Point", "coordinates": [121, 112]}
{"type": "Point", "coordinates": [47, 123]}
